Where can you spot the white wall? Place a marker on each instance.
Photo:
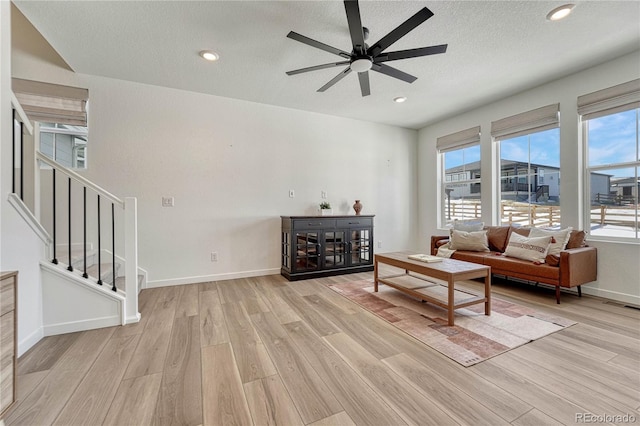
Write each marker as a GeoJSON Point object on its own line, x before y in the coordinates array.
{"type": "Point", "coordinates": [20, 248]}
{"type": "Point", "coordinates": [618, 266]}
{"type": "Point", "coordinates": [230, 165]}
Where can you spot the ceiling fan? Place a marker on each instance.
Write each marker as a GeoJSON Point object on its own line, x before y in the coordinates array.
{"type": "Point", "coordinates": [364, 57]}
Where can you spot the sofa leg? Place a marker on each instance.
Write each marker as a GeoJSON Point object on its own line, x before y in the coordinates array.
{"type": "Point", "coordinates": [579, 291]}
{"type": "Point", "coordinates": [558, 294]}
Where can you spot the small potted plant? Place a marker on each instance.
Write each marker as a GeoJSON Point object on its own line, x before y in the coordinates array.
{"type": "Point", "coordinates": [325, 209]}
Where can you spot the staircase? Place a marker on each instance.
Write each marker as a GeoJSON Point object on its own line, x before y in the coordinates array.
{"type": "Point", "coordinates": [89, 274]}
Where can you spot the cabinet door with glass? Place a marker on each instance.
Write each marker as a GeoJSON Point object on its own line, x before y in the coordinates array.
{"type": "Point", "coordinates": [360, 246]}
{"type": "Point", "coordinates": [307, 256]}
{"type": "Point", "coordinates": [335, 248]}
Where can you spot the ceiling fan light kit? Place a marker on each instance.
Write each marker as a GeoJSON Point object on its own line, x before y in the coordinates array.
{"type": "Point", "coordinates": [364, 57]}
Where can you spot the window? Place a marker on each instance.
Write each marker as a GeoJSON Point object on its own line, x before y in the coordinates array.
{"type": "Point", "coordinates": [529, 167]}
{"type": "Point", "coordinates": [611, 121]}
{"type": "Point", "coordinates": [64, 144]}
{"type": "Point", "coordinates": [62, 112]}
{"type": "Point", "coordinates": [460, 189]}
{"type": "Point", "coordinates": [613, 168]}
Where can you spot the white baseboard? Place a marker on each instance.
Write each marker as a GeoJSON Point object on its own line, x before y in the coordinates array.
{"type": "Point", "coordinates": [26, 343]}
{"type": "Point", "coordinates": [612, 295]}
{"type": "Point", "coordinates": [216, 277]}
{"type": "Point", "coordinates": [72, 327]}
{"type": "Point", "coordinates": [134, 319]}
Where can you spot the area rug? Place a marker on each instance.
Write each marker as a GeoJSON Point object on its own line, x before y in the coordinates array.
{"type": "Point", "coordinates": [475, 337]}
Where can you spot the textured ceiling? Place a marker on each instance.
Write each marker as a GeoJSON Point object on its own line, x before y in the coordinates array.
{"type": "Point", "coordinates": [496, 48]}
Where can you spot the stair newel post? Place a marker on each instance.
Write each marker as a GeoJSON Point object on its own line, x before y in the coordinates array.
{"type": "Point", "coordinates": [54, 260]}
{"type": "Point", "coordinates": [113, 246]}
{"type": "Point", "coordinates": [99, 282]}
{"type": "Point", "coordinates": [84, 207]}
{"type": "Point", "coordinates": [70, 267]}
{"type": "Point", "coordinates": [131, 280]}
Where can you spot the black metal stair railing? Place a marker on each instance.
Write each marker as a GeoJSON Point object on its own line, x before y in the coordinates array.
{"type": "Point", "coordinates": [70, 222]}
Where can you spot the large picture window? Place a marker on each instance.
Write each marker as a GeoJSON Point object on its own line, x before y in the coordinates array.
{"type": "Point", "coordinates": [529, 146]}
{"type": "Point", "coordinates": [460, 180]}
{"type": "Point", "coordinates": [64, 144]}
{"type": "Point", "coordinates": [613, 167]}
{"type": "Point", "coordinates": [611, 122]}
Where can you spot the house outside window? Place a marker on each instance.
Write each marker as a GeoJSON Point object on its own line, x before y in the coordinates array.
{"type": "Point", "coordinates": [460, 179]}
{"type": "Point", "coordinates": [65, 144]}
{"type": "Point", "coordinates": [529, 180]}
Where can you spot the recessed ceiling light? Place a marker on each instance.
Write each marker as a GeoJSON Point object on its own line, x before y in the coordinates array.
{"type": "Point", "coordinates": [209, 55]}
{"type": "Point", "coordinates": [399, 99]}
{"type": "Point", "coordinates": [560, 12]}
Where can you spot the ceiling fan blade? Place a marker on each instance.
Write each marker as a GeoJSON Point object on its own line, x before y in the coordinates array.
{"type": "Point", "coordinates": [318, 45]}
{"type": "Point", "coordinates": [411, 53]}
{"type": "Point", "coordinates": [355, 26]}
{"type": "Point", "coordinates": [335, 79]}
{"type": "Point", "coordinates": [317, 67]}
{"type": "Point", "coordinates": [400, 31]}
{"type": "Point", "coordinates": [393, 72]}
{"type": "Point", "coordinates": [364, 83]}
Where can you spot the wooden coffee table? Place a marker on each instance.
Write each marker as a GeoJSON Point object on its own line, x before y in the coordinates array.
{"type": "Point", "coordinates": [441, 289]}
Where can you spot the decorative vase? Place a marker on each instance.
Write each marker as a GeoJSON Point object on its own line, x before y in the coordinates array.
{"type": "Point", "coordinates": [357, 207]}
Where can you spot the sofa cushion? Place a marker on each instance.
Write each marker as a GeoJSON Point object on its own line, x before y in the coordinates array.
{"type": "Point", "coordinates": [532, 249]}
{"type": "Point", "coordinates": [559, 241]}
{"type": "Point", "coordinates": [472, 241]}
{"type": "Point", "coordinates": [471, 256]}
{"type": "Point", "coordinates": [511, 266]}
{"type": "Point", "coordinates": [498, 237]}
{"type": "Point", "coordinates": [576, 239]}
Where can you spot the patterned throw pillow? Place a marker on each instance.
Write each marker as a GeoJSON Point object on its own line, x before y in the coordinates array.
{"type": "Point", "coordinates": [560, 238]}
{"type": "Point", "coordinates": [525, 248]}
{"type": "Point", "coordinates": [471, 241]}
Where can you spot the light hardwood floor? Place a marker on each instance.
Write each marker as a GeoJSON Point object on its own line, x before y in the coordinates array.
{"type": "Point", "coordinates": [265, 351]}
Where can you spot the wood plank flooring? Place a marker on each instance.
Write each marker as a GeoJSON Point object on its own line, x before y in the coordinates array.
{"type": "Point", "coordinates": [265, 351]}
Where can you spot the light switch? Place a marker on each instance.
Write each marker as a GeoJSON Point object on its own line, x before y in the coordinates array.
{"type": "Point", "coordinates": [167, 201]}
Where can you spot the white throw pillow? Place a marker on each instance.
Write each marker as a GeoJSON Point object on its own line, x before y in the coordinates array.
{"type": "Point", "coordinates": [471, 241]}
{"type": "Point", "coordinates": [468, 225]}
{"type": "Point", "coordinates": [561, 237]}
{"type": "Point", "coordinates": [527, 248]}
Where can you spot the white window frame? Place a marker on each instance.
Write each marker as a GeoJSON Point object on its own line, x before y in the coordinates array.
{"type": "Point", "coordinates": [83, 133]}
{"type": "Point", "coordinates": [603, 168]}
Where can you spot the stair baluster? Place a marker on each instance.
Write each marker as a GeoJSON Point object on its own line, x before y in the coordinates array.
{"type": "Point", "coordinates": [13, 153]}
{"type": "Point", "coordinates": [84, 206]}
{"type": "Point", "coordinates": [70, 267]}
{"type": "Point", "coordinates": [113, 246]}
{"type": "Point", "coordinates": [22, 161]}
{"type": "Point", "coordinates": [55, 260]}
{"type": "Point", "coordinates": [99, 282]}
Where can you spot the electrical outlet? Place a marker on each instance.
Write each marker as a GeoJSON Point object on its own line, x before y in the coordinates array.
{"type": "Point", "coordinates": [292, 193]}
{"type": "Point", "coordinates": [323, 194]}
{"type": "Point", "coordinates": [214, 256]}
{"type": "Point", "coordinates": [167, 201]}
{"type": "Point", "coordinates": [379, 244]}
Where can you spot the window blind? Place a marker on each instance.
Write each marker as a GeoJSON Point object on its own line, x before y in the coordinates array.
{"type": "Point", "coordinates": [614, 99]}
{"type": "Point", "coordinates": [537, 120]}
{"type": "Point", "coordinates": [459, 140]}
{"type": "Point", "coordinates": [52, 103]}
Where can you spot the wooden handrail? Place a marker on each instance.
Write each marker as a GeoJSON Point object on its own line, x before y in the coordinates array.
{"type": "Point", "coordinates": [83, 181]}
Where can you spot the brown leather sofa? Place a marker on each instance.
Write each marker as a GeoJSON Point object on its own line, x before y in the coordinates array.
{"type": "Point", "coordinates": [576, 265]}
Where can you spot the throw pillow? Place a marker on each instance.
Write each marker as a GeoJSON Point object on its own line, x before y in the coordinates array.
{"type": "Point", "coordinates": [468, 225]}
{"type": "Point", "coordinates": [576, 239]}
{"type": "Point", "coordinates": [471, 241]}
{"type": "Point", "coordinates": [498, 237]}
{"type": "Point", "coordinates": [525, 248]}
{"type": "Point", "coordinates": [552, 260]}
{"type": "Point", "coordinates": [560, 236]}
